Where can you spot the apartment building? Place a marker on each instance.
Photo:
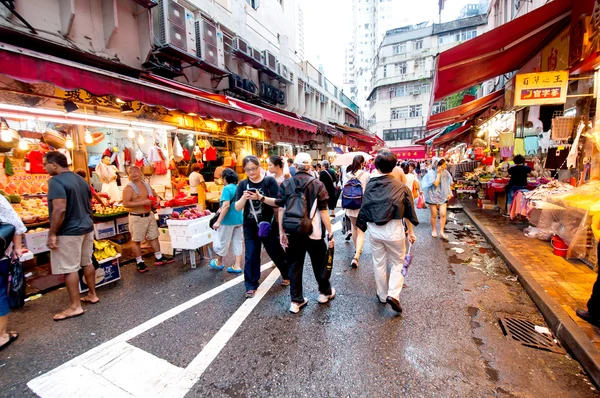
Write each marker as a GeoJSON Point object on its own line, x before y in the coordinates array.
{"type": "Point", "coordinates": [399, 101]}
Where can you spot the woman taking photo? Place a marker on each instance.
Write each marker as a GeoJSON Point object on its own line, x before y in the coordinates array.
{"type": "Point", "coordinates": [257, 195]}
{"type": "Point", "coordinates": [228, 226]}
{"type": "Point", "coordinates": [436, 190]}
{"type": "Point", "coordinates": [275, 168]}
{"type": "Point", "coordinates": [355, 170]}
{"type": "Point", "coordinates": [8, 215]}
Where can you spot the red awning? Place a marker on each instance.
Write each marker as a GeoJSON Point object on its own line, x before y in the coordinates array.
{"type": "Point", "coordinates": [409, 152]}
{"type": "Point", "coordinates": [502, 50]}
{"type": "Point", "coordinates": [454, 134]}
{"type": "Point", "coordinates": [464, 111]}
{"type": "Point", "coordinates": [275, 117]}
{"type": "Point", "coordinates": [35, 67]}
{"type": "Point", "coordinates": [359, 134]}
{"type": "Point", "coordinates": [185, 87]}
{"type": "Point", "coordinates": [363, 138]}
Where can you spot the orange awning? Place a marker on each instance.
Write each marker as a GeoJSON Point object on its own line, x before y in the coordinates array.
{"type": "Point", "coordinates": [464, 111]}
{"type": "Point", "coordinates": [502, 50]}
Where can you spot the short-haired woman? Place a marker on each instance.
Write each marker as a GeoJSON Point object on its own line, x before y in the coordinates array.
{"type": "Point", "coordinates": [256, 195]}
{"type": "Point", "coordinates": [228, 226]}
{"type": "Point", "coordinates": [8, 215]}
{"type": "Point", "coordinates": [436, 191]}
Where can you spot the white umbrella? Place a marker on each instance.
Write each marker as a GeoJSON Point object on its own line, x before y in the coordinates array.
{"type": "Point", "coordinates": [347, 158]}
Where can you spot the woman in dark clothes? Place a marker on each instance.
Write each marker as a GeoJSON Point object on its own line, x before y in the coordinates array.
{"type": "Point", "coordinates": [329, 178]}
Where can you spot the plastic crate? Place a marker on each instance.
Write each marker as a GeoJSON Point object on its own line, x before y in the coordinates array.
{"type": "Point", "coordinates": [192, 242]}
{"type": "Point", "coordinates": [186, 228]}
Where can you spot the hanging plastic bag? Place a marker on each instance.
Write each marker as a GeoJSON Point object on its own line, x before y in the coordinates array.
{"type": "Point", "coordinates": [421, 201]}
{"type": "Point", "coordinates": [177, 150]}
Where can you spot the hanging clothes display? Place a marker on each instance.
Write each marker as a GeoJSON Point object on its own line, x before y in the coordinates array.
{"type": "Point", "coordinates": [507, 139]}
{"type": "Point", "coordinates": [520, 147]}
{"type": "Point", "coordinates": [507, 152]}
{"type": "Point", "coordinates": [531, 145]}
{"type": "Point", "coordinates": [545, 142]}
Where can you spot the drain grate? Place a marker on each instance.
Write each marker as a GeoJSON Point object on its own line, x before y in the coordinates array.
{"type": "Point", "coordinates": [523, 331]}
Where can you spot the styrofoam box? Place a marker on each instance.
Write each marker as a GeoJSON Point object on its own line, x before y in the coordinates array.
{"type": "Point", "coordinates": [186, 228]}
{"type": "Point", "coordinates": [36, 242]}
{"type": "Point", "coordinates": [163, 235]}
{"type": "Point", "coordinates": [192, 242]}
{"type": "Point", "coordinates": [103, 230]}
{"type": "Point", "coordinates": [166, 248]}
{"type": "Point", "coordinates": [122, 225]}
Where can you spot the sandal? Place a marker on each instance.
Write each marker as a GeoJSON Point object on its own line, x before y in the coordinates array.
{"type": "Point", "coordinates": [232, 270]}
{"type": "Point", "coordinates": [12, 336]}
{"type": "Point", "coordinates": [213, 264]}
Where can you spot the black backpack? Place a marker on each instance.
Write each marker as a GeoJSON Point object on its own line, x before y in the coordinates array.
{"type": "Point", "coordinates": [296, 219]}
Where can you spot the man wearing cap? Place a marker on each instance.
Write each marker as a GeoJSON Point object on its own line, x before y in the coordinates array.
{"type": "Point", "coordinates": [297, 244]}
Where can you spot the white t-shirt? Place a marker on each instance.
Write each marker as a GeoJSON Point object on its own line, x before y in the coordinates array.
{"type": "Point", "coordinates": [195, 180]}
{"type": "Point", "coordinates": [410, 180]}
{"type": "Point", "coordinates": [392, 230]}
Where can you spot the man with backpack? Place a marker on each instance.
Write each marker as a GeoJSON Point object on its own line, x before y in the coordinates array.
{"type": "Point", "coordinates": [303, 213]}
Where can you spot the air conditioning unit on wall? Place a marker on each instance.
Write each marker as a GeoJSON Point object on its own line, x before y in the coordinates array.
{"type": "Point", "coordinates": [241, 47]}
{"type": "Point", "coordinates": [209, 44]}
{"type": "Point", "coordinates": [270, 61]}
{"type": "Point", "coordinates": [307, 89]}
{"type": "Point", "coordinates": [258, 60]}
{"type": "Point", "coordinates": [173, 27]}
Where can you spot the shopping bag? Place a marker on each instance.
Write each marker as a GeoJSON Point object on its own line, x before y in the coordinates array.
{"type": "Point", "coordinates": [407, 260]}
{"type": "Point", "coordinates": [328, 263]}
{"type": "Point", "coordinates": [421, 201]}
{"type": "Point", "coordinates": [16, 291]}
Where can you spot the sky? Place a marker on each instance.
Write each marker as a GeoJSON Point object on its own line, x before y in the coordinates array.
{"type": "Point", "coordinates": [328, 28]}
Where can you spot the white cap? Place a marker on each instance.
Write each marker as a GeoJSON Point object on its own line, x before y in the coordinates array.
{"type": "Point", "coordinates": [303, 158]}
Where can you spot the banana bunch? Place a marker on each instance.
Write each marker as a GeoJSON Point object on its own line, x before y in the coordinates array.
{"type": "Point", "coordinates": [104, 249]}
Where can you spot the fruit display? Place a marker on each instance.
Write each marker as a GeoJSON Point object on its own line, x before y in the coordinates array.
{"type": "Point", "coordinates": [24, 187]}
{"type": "Point", "coordinates": [30, 210]}
{"type": "Point", "coordinates": [36, 230]}
{"type": "Point", "coordinates": [191, 214]}
{"type": "Point", "coordinates": [104, 249]}
{"type": "Point", "coordinates": [111, 210]}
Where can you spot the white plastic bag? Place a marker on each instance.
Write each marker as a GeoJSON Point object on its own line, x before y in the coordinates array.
{"type": "Point", "coordinates": [177, 150]}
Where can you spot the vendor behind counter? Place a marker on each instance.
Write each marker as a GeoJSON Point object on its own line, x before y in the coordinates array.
{"type": "Point", "coordinates": [518, 178]}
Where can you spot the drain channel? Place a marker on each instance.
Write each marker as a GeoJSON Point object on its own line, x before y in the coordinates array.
{"type": "Point", "coordinates": [523, 332]}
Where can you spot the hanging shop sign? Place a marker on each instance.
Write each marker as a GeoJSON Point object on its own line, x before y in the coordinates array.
{"type": "Point", "coordinates": [542, 88]}
{"type": "Point", "coordinates": [555, 56]}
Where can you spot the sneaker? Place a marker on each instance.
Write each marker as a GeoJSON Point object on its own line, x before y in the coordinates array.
{"type": "Point", "coordinates": [213, 265]}
{"type": "Point", "coordinates": [296, 307]}
{"type": "Point", "coordinates": [163, 260]}
{"type": "Point", "coordinates": [232, 270]}
{"type": "Point", "coordinates": [141, 267]}
{"type": "Point", "coordinates": [348, 235]}
{"type": "Point", "coordinates": [395, 304]}
{"type": "Point", "coordinates": [250, 293]}
{"type": "Point", "coordinates": [323, 298]}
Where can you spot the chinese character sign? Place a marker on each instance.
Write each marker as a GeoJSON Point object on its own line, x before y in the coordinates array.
{"type": "Point", "coordinates": [541, 88]}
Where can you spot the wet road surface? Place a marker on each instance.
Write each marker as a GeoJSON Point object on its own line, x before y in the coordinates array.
{"type": "Point", "coordinates": [447, 342]}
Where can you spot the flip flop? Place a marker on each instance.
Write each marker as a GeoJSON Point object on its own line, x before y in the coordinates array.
{"type": "Point", "coordinates": [67, 317]}
{"type": "Point", "coordinates": [88, 301]}
{"type": "Point", "coordinates": [12, 336]}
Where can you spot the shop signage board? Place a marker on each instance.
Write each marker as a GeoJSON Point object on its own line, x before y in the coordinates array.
{"type": "Point", "coordinates": [544, 88]}
{"type": "Point", "coordinates": [555, 56]}
{"type": "Point", "coordinates": [22, 182]}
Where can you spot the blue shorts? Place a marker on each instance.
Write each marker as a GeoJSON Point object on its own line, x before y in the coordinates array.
{"type": "Point", "coordinates": [4, 308]}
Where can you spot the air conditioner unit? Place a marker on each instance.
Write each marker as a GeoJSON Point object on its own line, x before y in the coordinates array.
{"type": "Point", "coordinates": [241, 46]}
{"type": "Point", "coordinates": [174, 30]}
{"type": "Point", "coordinates": [250, 86]}
{"type": "Point", "coordinates": [284, 73]}
{"type": "Point", "coordinates": [270, 60]}
{"type": "Point", "coordinates": [235, 82]}
{"type": "Point", "coordinates": [281, 97]}
{"type": "Point", "coordinates": [209, 45]}
{"type": "Point", "coordinates": [258, 61]}
{"type": "Point", "coordinates": [306, 88]}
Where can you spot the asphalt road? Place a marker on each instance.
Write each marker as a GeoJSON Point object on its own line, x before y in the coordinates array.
{"type": "Point", "coordinates": [447, 342]}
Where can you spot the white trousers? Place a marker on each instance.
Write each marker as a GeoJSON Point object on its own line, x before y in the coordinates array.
{"type": "Point", "coordinates": [228, 236]}
{"type": "Point", "coordinates": [388, 253]}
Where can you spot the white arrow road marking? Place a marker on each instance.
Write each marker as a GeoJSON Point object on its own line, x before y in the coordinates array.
{"type": "Point", "coordinates": [116, 369]}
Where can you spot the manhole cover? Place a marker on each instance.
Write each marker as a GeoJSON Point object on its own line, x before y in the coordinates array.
{"type": "Point", "coordinates": [523, 331]}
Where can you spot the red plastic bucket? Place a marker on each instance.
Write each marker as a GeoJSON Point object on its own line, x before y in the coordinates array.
{"type": "Point", "coordinates": [559, 246]}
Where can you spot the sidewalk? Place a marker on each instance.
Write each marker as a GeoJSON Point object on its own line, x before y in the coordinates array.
{"type": "Point", "coordinates": [557, 286]}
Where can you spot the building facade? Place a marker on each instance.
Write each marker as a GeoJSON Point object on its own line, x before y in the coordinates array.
{"type": "Point", "coordinates": [250, 49]}
{"type": "Point", "coordinates": [399, 101]}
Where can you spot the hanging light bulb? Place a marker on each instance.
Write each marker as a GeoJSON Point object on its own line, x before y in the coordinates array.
{"type": "Point", "coordinates": [5, 133]}
{"type": "Point", "coordinates": [69, 143]}
{"type": "Point", "coordinates": [88, 137]}
{"type": "Point", "coordinates": [141, 139]}
{"type": "Point", "coordinates": [23, 145]}
{"type": "Point", "coordinates": [131, 133]}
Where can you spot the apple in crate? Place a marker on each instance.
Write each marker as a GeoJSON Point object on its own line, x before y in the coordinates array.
{"type": "Point", "coordinates": [175, 215]}
{"type": "Point", "coordinates": [206, 212]}
{"type": "Point", "coordinates": [187, 214]}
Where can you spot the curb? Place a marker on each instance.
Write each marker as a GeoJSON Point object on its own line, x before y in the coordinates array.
{"type": "Point", "coordinates": [563, 327]}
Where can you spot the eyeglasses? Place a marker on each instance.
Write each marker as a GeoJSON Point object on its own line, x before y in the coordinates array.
{"type": "Point", "coordinates": [252, 170]}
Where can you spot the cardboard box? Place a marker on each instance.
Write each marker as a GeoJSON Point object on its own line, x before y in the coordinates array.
{"type": "Point", "coordinates": [108, 272]}
{"type": "Point", "coordinates": [192, 242]}
{"type": "Point", "coordinates": [166, 248]}
{"type": "Point", "coordinates": [164, 235]}
{"type": "Point", "coordinates": [103, 230]}
{"type": "Point", "coordinates": [36, 242]}
{"type": "Point", "coordinates": [122, 225]}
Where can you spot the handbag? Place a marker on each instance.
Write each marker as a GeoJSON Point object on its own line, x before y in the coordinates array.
{"type": "Point", "coordinates": [7, 233]}
{"type": "Point", "coordinates": [214, 219]}
{"type": "Point", "coordinates": [421, 202]}
{"type": "Point", "coordinates": [16, 291]}
{"type": "Point", "coordinates": [264, 227]}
